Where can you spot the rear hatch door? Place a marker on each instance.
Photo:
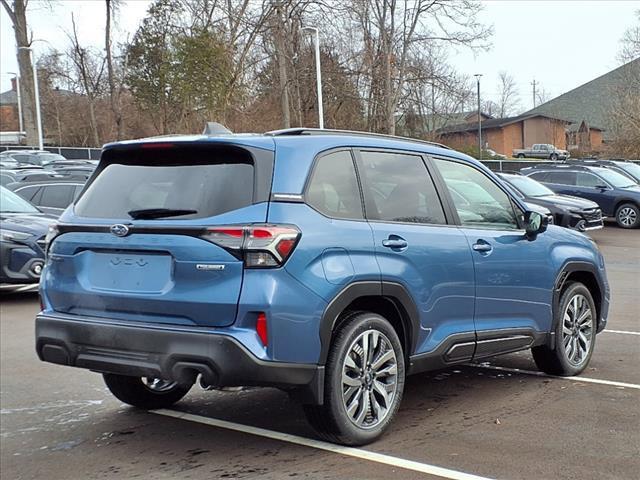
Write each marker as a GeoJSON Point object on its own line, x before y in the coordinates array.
{"type": "Point", "coordinates": [135, 248]}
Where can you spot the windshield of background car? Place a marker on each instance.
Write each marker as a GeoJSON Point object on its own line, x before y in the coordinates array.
{"type": "Point", "coordinates": [12, 203]}
{"type": "Point", "coordinates": [632, 168]}
{"type": "Point", "coordinates": [529, 187]}
{"type": "Point", "coordinates": [221, 182]}
{"type": "Point", "coordinates": [616, 179]}
{"type": "Point", "coordinates": [46, 158]}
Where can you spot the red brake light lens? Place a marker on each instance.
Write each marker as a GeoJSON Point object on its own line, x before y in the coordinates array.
{"type": "Point", "coordinates": [157, 145]}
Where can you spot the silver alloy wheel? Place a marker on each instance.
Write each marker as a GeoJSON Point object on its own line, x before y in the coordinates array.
{"type": "Point", "coordinates": [158, 385]}
{"type": "Point", "coordinates": [577, 329]}
{"type": "Point", "coordinates": [627, 216]}
{"type": "Point", "coordinates": [369, 379]}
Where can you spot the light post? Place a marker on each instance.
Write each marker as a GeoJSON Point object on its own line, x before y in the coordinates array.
{"type": "Point", "coordinates": [37, 94]}
{"type": "Point", "coordinates": [17, 76]}
{"type": "Point", "coordinates": [478, 75]}
{"type": "Point", "coordinates": [318, 73]}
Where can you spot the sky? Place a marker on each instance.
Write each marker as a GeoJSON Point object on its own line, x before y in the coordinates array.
{"type": "Point", "coordinates": [561, 44]}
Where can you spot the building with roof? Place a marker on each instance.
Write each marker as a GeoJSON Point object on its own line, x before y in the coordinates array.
{"type": "Point", "coordinates": [591, 103]}
{"type": "Point", "coordinates": [505, 134]}
{"type": "Point", "coordinates": [9, 120]}
{"type": "Point", "coordinates": [580, 119]}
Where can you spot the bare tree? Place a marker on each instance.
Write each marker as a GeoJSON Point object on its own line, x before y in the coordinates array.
{"type": "Point", "coordinates": [393, 31]}
{"type": "Point", "coordinates": [112, 7]}
{"type": "Point", "coordinates": [543, 95]}
{"type": "Point", "coordinates": [630, 42]}
{"type": "Point", "coordinates": [90, 74]}
{"type": "Point", "coordinates": [509, 98]}
{"type": "Point", "coordinates": [17, 14]}
{"type": "Point", "coordinates": [281, 58]}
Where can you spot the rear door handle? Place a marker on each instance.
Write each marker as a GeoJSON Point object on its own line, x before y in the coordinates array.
{"type": "Point", "coordinates": [482, 246]}
{"type": "Point", "coordinates": [395, 241]}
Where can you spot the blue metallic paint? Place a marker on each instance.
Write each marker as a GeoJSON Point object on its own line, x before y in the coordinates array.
{"type": "Point", "coordinates": [456, 290]}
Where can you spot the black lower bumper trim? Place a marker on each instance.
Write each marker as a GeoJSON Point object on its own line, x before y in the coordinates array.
{"type": "Point", "coordinates": [169, 354]}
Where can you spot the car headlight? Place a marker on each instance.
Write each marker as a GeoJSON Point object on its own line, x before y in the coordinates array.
{"type": "Point", "coordinates": [12, 236]}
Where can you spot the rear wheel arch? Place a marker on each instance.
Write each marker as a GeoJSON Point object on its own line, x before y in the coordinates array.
{"type": "Point", "coordinates": [387, 299]}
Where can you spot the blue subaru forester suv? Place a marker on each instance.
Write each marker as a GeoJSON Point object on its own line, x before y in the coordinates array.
{"type": "Point", "coordinates": [329, 264]}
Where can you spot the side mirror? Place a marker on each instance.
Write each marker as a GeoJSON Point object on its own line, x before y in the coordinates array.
{"type": "Point", "coordinates": [602, 188]}
{"type": "Point", "coordinates": [534, 224]}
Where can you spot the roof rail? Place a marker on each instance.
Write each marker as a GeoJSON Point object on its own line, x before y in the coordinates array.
{"type": "Point", "coordinates": [328, 131]}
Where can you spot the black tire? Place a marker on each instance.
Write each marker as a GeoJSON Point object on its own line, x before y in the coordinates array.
{"type": "Point", "coordinates": [133, 391]}
{"type": "Point", "coordinates": [331, 420]}
{"type": "Point", "coordinates": [556, 361]}
{"type": "Point", "coordinates": [628, 215]}
{"type": "Point", "coordinates": [553, 157]}
{"type": "Point", "coordinates": [520, 155]}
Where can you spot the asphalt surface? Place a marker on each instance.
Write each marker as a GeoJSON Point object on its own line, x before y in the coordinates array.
{"type": "Point", "coordinates": [62, 423]}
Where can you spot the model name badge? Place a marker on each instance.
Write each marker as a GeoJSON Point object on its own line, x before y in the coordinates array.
{"type": "Point", "coordinates": [209, 267]}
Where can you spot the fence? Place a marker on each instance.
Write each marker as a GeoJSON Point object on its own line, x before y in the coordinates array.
{"type": "Point", "coordinates": [71, 153]}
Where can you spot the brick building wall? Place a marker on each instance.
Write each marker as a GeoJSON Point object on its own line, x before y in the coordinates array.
{"type": "Point", "coordinates": [9, 118]}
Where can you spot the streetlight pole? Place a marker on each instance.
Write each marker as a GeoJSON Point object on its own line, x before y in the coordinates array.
{"type": "Point", "coordinates": [37, 94]}
{"type": "Point", "coordinates": [17, 76]}
{"type": "Point", "coordinates": [318, 73]}
{"type": "Point", "coordinates": [478, 75]}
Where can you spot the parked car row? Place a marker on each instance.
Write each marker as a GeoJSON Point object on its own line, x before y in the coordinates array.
{"type": "Point", "coordinates": [35, 188]}
{"type": "Point", "coordinates": [612, 186]}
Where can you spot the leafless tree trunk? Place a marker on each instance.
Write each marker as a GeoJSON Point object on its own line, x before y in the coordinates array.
{"type": "Point", "coordinates": [114, 93]}
{"type": "Point", "coordinates": [17, 14]}
{"type": "Point", "coordinates": [89, 84]}
{"type": "Point", "coordinates": [281, 58]}
{"type": "Point", "coordinates": [509, 98]}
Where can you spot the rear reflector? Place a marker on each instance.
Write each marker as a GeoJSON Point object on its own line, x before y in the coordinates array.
{"type": "Point", "coordinates": [261, 328]}
{"type": "Point", "coordinates": [260, 246]}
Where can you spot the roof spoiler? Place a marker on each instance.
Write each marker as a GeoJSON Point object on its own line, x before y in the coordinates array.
{"type": "Point", "coordinates": [215, 128]}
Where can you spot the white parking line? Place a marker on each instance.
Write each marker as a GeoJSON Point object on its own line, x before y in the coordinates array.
{"type": "Point", "coordinates": [573, 379]}
{"type": "Point", "coordinates": [329, 447]}
{"type": "Point", "coordinates": [624, 332]}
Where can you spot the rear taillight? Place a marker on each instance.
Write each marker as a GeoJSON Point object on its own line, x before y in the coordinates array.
{"type": "Point", "coordinates": [260, 246]}
{"type": "Point", "coordinates": [52, 233]}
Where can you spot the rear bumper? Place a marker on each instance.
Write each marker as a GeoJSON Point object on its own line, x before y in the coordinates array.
{"type": "Point", "coordinates": [169, 354]}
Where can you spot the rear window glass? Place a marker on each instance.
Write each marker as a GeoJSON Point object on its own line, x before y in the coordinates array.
{"type": "Point", "coordinates": [207, 189]}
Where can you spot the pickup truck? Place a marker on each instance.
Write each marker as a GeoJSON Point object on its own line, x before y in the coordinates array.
{"type": "Point", "coordinates": [541, 150]}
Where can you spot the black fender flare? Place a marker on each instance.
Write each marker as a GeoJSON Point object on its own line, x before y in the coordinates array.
{"type": "Point", "coordinates": [395, 292]}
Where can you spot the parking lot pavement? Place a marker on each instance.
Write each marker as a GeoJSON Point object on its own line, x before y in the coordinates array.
{"type": "Point", "coordinates": [59, 423]}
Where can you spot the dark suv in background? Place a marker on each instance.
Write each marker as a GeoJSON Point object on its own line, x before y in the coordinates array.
{"type": "Point", "coordinates": [567, 211]}
{"type": "Point", "coordinates": [617, 195]}
{"type": "Point", "coordinates": [630, 169]}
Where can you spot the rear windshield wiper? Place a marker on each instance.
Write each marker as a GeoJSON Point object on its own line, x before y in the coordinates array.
{"type": "Point", "coordinates": [147, 213]}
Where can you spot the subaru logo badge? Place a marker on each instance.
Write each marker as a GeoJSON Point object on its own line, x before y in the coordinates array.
{"type": "Point", "coordinates": [119, 230]}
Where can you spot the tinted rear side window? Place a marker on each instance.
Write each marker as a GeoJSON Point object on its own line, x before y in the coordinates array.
{"type": "Point", "coordinates": [399, 189]}
{"type": "Point", "coordinates": [57, 196]}
{"type": "Point", "coordinates": [211, 184]}
{"type": "Point", "coordinates": [540, 176]}
{"type": "Point", "coordinates": [333, 188]}
{"type": "Point", "coordinates": [562, 178]}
